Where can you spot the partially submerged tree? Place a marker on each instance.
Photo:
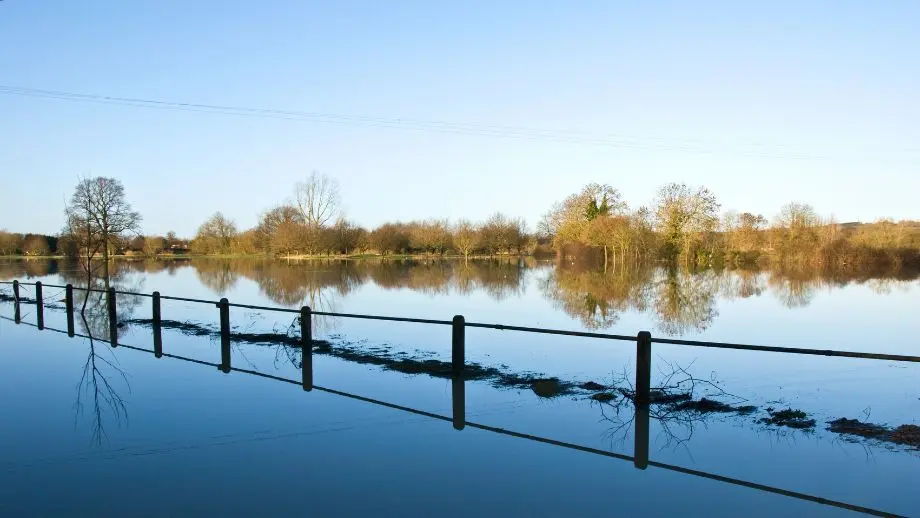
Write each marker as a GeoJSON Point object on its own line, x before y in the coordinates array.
{"type": "Point", "coordinates": [566, 221]}
{"type": "Point", "coordinates": [684, 216]}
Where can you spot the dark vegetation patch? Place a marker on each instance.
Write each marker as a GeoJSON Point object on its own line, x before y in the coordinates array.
{"type": "Point", "coordinates": [9, 298]}
{"type": "Point", "coordinates": [670, 401]}
{"type": "Point", "coordinates": [789, 418]}
{"type": "Point", "coordinates": [30, 301]}
{"type": "Point", "coordinates": [666, 397]}
{"type": "Point", "coordinates": [384, 357]}
{"type": "Point", "coordinates": [705, 406]}
{"type": "Point", "coordinates": [674, 402]}
{"type": "Point", "coordinates": [857, 427]}
{"type": "Point", "coordinates": [186, 328]}
{"type": "Point", "coordinates": [906, 434]}
{"type": "Point", "coordinates": [550, 387]}
{"type": "Point", "coordinates": [604, 397]}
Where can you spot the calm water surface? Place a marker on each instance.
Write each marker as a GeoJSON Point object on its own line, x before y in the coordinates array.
{"type": "Point", "coordinates": [93, 430]}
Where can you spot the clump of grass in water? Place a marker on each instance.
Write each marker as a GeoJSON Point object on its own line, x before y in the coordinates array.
{"type": "Point", "coordinates": [789, 418]}
{"type": "Point", "coordinates": [385, 358]}
{"type": "Point", "coordinates": [906, 434]}
{"type": "Point", "coordinates": [604, 397]}
{"type": "Point", "coordinates": [705, 406]}
{"type": "Point", "coordinates": [550, 387]}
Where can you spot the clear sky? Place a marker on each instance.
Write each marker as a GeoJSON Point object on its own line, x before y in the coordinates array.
{"type": "Point", "coordinates": [762, 102]}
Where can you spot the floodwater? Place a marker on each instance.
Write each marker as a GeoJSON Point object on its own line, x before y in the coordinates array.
{"type": "Point", "coordinates": [91, 430]}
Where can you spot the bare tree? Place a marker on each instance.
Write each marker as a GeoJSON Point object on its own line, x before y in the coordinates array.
{"type": "Point", "coordinates": [154, 245]}
{"type": "Point", "coordinates": [318, 199]}
{"type": "Point", "coordinates": [684, 216]}
{"type": "Point", "coordinates": [215, 236]}
{"type": "Point", "coordinates": [466, 237]}
{"type": "Point", "coordinates": [98, 216]}
{"type": "Point", "coordinates": [9, 243]}
{"type": "Point", "coordinates": [35, 246]}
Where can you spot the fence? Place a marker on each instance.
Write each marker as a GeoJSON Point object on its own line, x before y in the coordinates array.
{"type": "Point", "coordinates": [458, 323]}
{"type": "Point", "coordinates": [640, 458]}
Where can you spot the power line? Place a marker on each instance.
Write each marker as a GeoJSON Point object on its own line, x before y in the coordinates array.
{"type": "Point", "coordinates": [471, 129]}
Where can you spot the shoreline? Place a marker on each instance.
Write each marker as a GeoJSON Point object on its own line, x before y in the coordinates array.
{"type": "Point", "coordinates": [279, 257]}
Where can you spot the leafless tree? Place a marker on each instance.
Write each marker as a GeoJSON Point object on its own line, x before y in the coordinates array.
{"type": "Point", "coordinates": [318, 199]}
{"type": "Point", "coordinates": [98, 216]}
{"type": "Point", "coordinates": [684, 216]}
{"type": "Point", "coordinates": [35, 245]}
{"type": "Point", "coordinates": [154, 245]}
{"type": "Point", "coordinates": [466, 237]}
{"type": "Point", "coordinates": [215, 236]}
{"type": "Point", "coordinates": [9, 243]}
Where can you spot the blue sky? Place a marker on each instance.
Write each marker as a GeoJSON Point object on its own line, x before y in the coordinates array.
{"type": "Point", "coordinates": [762, 102]}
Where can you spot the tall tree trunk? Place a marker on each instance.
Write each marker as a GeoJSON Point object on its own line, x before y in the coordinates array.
{"type": "Point", "coordinates": [105, 258]}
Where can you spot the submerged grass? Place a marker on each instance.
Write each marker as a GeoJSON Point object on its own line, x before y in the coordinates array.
{"type": "Point", "coordinates": [789, 418]}
{"type": "Point", "coordinates": [384, 357]}
{"type": "Point", "coordinates": [668, 399]}
{"type": "Point", "coordinates": [705, 406]}
{"type": "Point", "coordinates": [906, 434]}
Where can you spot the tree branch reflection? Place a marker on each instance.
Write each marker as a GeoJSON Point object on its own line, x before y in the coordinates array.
{"type": "Point", "coordinates": [96, 389]}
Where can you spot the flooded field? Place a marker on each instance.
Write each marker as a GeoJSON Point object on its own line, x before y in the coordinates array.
{"type": "Point", "coordinates": [537, 425]}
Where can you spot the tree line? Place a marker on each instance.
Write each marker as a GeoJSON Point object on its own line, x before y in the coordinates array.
{"type": "Point", "coordinates": [31, 245]}
{"type": "Point", "coordinates": [684, 224]}
{"type": "Point", "coordinates": [681, 224]}
{"type": "Point", "coordinates": [312, 223]}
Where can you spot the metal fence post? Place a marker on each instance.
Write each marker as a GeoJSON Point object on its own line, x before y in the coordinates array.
{"type": "Point", "coordinates": [113, 318]}
{"type": "Point", "coordinates": [458, 360]}
{"type": "Point", "coordinates": [17, 311]}
{"type": "Point", "coordinates": [643, 398]}
{"type": "Point", "coordinates": [458, 349]}
{"type": "Point", "coordinates": [39, 306]}
{"type": "Point", "coordinates": [224, 306]}
{"type": "Point", "coordinates": [643, 367]}
{"type": "Point", "coordinates": [68, 303]}
{"type": "Point", "coordinates": [157, 331]}
{"type": "Point", "coordinates": [306, 348]}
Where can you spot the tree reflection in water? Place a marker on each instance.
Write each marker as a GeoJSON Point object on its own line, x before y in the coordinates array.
{"type": "Point", "coordinates": [681, 301]}
{"type": "Point", "coordinates": [678, 300]}
{"type": "Point", "coordinates": [684, 301]}
{"type": "Point", "coordinates": [93, 305]}
{"type": "Point", "coordinates": [595, 297]}
{"type": "Point", "coordinates": [97, 389]}
{"type": "Point", "coordinates": [322, 284]}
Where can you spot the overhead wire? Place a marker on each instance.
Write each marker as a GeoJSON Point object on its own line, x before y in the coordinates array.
{"type": "Point", "coordinates": [469, 129]}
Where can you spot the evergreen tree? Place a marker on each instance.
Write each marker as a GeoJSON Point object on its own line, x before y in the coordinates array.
{"type": "Point", "coordinates": [592, 211]}
{"type": "Point", "coordinates": [604, 209]}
